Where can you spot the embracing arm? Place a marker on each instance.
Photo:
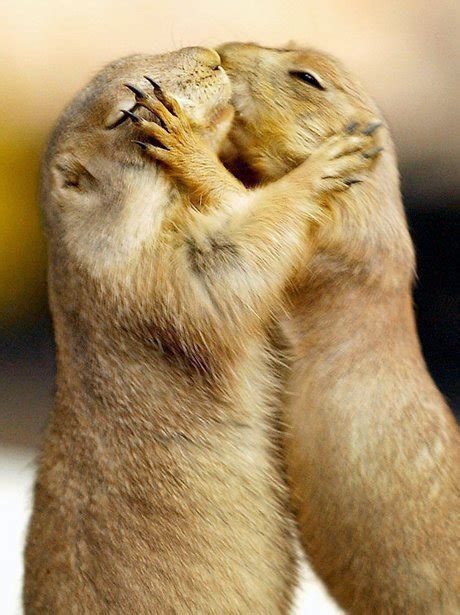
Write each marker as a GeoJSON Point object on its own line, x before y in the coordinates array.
{"type": "Point", "coordinates": [233, 250]}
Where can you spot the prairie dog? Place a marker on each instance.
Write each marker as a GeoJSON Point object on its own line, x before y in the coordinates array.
{"type": "Point", "coordinates": [158, 489]}
{"type": "Point", "coordinates": [372, 450]}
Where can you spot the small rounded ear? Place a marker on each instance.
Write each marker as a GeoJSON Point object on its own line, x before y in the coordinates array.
{"type": "Point", "coordinates": [115, 116]}
{"type": "Point", "coordinates": [71, 174]}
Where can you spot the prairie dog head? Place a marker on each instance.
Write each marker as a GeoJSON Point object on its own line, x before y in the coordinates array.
{"type": "Point", "coordinates": [286, 102]}
{"type": "Point", "coordinates": [101, 198]}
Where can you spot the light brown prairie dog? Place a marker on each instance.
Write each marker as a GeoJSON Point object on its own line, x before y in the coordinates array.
{"type": "Point", "coordinates": [158, 489]}
{"type": "Point", "coordinates": [372, 450]}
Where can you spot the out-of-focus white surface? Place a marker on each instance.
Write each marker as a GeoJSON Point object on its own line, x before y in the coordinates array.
{"type": "Point", "coordinates": [16, 479]}
{"type": "Point", "coordinates": [311, 598]}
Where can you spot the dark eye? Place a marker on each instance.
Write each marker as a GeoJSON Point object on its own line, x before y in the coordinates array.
{"type": "Point", "coordinates": [307, 78]}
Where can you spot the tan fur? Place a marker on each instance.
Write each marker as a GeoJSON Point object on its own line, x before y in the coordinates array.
{"type": "Point", "coordinates": [372, 450]}
{"type": "Point", "coordinates": [158, 488]}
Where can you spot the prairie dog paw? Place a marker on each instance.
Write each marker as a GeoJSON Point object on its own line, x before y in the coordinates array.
{"type": "Point", "coordinates": [337, 163]}
{"type": "Point", "coordinates": [169, 136]}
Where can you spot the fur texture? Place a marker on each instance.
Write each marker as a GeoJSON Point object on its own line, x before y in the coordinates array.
{"type": "Point", "coordinates": [372, 450]}
{"type": "Point", "coordinates": [158, 489]}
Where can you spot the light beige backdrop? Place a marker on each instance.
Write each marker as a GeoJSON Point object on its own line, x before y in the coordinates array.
{"type": "Point", "coordinates": [404, 50]}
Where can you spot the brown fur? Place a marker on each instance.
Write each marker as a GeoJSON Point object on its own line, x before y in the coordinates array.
{"type": "Point", "coordinates": [157, 488]}
{"type": "Point", "coordinates": [372, 450]}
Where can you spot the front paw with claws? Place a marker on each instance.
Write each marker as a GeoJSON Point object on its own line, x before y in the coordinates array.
{"type": "Point", "coordinates": [337, 164]}
{"type": "Point", "coordinates": [169, 136]}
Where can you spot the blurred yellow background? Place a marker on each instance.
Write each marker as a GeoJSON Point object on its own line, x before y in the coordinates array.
{"type": "Point", "coordinates": [404, 51]}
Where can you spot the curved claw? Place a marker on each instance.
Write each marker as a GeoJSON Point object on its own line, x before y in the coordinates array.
{"type": "Point", "coordinates": [153, 83]}
{"type": "Point", "coordinates": [123, 117]}
{"type": "Point", "coordinates": [136, 91]}
{"type": "Point", "coordinates": [351, 127]}
{"type": "Point", "coordinates": [132, 116]}
{"type": "Point", "coordinates": [373, 152]}
{"type": "Point", "coordinates": [165, 99]}
{"type": "Point", "coordinates": [372, 127]}
{"type": "Point", "coordinates": [157, 91]}
{"type": "Point", "coordinates": [156, 144]}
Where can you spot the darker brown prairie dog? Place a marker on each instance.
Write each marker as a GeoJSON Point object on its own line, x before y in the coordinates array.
{"type": "Point", "coordinates": [372, 450]}
{"type": "Point", "coordinates": [158, 489]}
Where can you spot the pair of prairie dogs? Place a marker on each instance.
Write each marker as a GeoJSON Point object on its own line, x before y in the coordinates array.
{"type": "Point", "coordinates": [175, 292]}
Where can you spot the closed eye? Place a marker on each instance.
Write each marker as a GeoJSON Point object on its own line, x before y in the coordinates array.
{"type": "Point", "coordinates": [308, 78]}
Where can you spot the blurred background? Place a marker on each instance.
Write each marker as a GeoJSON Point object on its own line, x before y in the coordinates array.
{"type": "Point", "coordinates": [405, 51]}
